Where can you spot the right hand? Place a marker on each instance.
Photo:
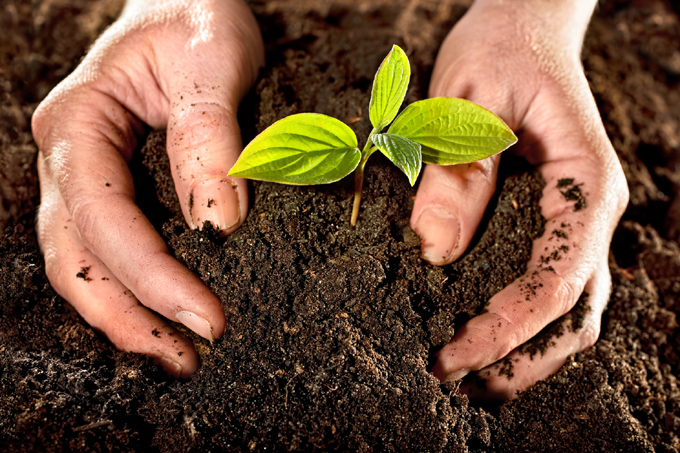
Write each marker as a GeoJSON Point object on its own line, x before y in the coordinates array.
{"type": "Point", "coordinates": [165, 63]}
{"type": "Point", "coordinates": [522, 61]}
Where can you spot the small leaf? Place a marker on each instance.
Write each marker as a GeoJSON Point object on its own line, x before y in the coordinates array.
{"type": "Point", "coordinates": [307, 148]}
{"type": "Point", "coordinates": [453, 131]}
{"type": "Point", "coordinates": [403, 153]}
{"type": "Point", "coordinates": [389, 88]}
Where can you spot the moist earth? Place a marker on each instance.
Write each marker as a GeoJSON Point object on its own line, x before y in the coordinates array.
{"type": "Point", "coordinates": [332, 328]}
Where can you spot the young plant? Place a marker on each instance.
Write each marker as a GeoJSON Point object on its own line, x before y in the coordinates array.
{"type": "Point", "coordinates": [311, 148]}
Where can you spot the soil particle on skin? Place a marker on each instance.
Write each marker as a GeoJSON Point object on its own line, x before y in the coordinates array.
{"type": "Point", "coordinates": [560, 234]}
{"type": "Point", "coordinates": [457, 292]}
{"type": "Point", "coordinates": [572, 192]}
{"type": "Point", "coordinates": [332, 329]}
{"type": "Point", "coordinates": [571, 322]}
{"type": "Point", "coordinates": [84, 271]}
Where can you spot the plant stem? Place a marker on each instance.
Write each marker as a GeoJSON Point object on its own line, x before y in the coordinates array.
{"type": "Point", "coordinates": [358, 186]}
{"type": "Point", "coordinates": [369, 149]}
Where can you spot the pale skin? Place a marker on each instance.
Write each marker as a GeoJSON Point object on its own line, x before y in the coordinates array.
{"type": "Point", "coordinates": [165, 62]}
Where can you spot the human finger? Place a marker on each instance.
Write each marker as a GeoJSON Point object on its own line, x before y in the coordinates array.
{"type": "Point", "coordinates": [83, 156]}
{"type": "Point", "coordinates": [562, 261]}
{"type": "Point", "coordinates": [575, 332]}
{"type": "Point", "coordinates": [451, 200]}
{"type": "Point", "coordinates": [203, 143]}
{"type": "Point", "coordinates": [99, 297]}
{"type": "Point", "coordinates": [204, 139]}
{"type": "Point", "coordinates": [449, 207]}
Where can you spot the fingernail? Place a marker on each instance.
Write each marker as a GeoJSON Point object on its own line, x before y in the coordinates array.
{"type": "Point", "coordinates": [195, 323]}
{"type": "Point", "coordinates": [439, 232]}
{"type": "Point", "coordinates": [170, 366]}
{"type": "Point", "coordinates": [215, 200]}
{"type": "Point", "coordinates": [460, 374]}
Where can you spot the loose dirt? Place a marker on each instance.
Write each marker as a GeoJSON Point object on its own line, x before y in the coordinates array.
{"type": "Point", "coordinates": [332, 328]}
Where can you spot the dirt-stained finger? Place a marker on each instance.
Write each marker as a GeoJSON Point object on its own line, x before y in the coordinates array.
{"type": "Point", "coordinates": [99, 297]}
{"type": "Point", "coordinates": [562, 261]}
{"type": "Point", "coordinates": [449, 206]}
{"type": "Point", "coordinates": [204, 141]}
{"type": "Point", "coordinates": [97, 191]}
{"type": "Point", "coordinates": [549, 350]}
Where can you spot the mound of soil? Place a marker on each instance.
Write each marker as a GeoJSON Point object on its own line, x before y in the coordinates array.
{"type": "Point", "coordinates": [332, 328]}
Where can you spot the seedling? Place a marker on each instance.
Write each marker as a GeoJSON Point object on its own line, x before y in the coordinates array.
{"type": "Point", "coordinates": [311, 148]}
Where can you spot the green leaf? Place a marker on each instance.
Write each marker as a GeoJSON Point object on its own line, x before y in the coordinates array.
{"type": "Point", "coordinates": [403, 153]}
{"type": "Point", "coordinates": [389, 88]}
{"type": "Point", "coordinates": [307, 148]}
{"type": "Point", "coordinates": [453, 131]}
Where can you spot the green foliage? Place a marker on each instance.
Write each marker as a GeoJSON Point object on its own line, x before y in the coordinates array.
{"type": "Point", "coordinates": [389, 88]}
{"type": "Point", "coordinates": [307, 148]}
{"type": "Point", "coordinates": [403, 152]}
{"type": "Point", "coordinates": [310, 148]}
{"type": "Point", "coordinates": [453, 131]}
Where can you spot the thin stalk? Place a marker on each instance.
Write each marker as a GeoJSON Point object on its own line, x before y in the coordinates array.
{"type": "Point", "coordinates": [369, 149]}
{"type": "Point", "coordinates": [358, 186]}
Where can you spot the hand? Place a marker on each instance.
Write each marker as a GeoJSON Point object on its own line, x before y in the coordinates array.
{"type": "Point", "coordinates": [521, 60]}
{"type": "Point", "coordinates": [166, 63]}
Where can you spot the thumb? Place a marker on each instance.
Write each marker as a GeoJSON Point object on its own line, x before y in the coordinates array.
{"type": "Point", "coordinates": [204, 89]}
{"type": "Point", "coordinates": [451, 200]}
{"type": "Point", "coordinates": [449, 206]}
{"type": "Point", "coordinates": [203, 143]}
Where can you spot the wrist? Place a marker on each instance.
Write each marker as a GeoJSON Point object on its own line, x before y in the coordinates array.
{"type": "Point", "coordinates": [582, 9]}
{"type": "Point", "coordinates": [136, 8]}
{"type": "Point", "coordinates": [563, 23]}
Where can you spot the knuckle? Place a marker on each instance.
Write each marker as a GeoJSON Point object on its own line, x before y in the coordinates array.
{"type": "Point", "coordinates": [498, 335]}
{"type": "Point", "coordinates": [38, 121]}
{"type": "Point", "coordinates": [622, 193]}
{"type": "Point", "coordinates": [199, 126]}
{"type": "Point", "coordinates": [50, 116]}
{"type": "Point", "coordinates": [565, 295]}
{"type": "Point", "coordinates": [589, 335]}
{"type": "Point", "coordinates": [146, 279]}
{"type": "Point", "coordinates": [614, 178]}
{"type": "Point", "coordinates": [86, 215]}
{"type": "Point", "coordinates": [482, 171]}
{"type": "Point", "coordinates": [43, 122]}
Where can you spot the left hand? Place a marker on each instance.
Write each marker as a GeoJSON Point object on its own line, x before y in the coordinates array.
{"type": "Point", "coordinates": [169, 64]}
{"type": "Point", "coordinates": [523, 63]}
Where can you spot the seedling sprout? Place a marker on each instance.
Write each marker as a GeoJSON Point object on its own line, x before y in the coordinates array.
{"type": "Point", "coordinates": [311, 148]}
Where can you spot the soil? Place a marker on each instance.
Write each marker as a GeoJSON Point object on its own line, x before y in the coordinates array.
{"type": "Point", "coordinates": [332, 328]}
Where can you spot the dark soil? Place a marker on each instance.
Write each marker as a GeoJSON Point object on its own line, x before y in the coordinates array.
{"type": "Point", "coordinates": [332, 328]}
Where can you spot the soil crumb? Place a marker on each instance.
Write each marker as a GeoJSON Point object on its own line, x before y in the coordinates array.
{"type": "Point", "coordinates": [332, 329]}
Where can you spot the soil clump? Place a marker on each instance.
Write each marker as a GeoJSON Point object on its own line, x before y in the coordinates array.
{"type": "Point", "coordinates": [331, 328]}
